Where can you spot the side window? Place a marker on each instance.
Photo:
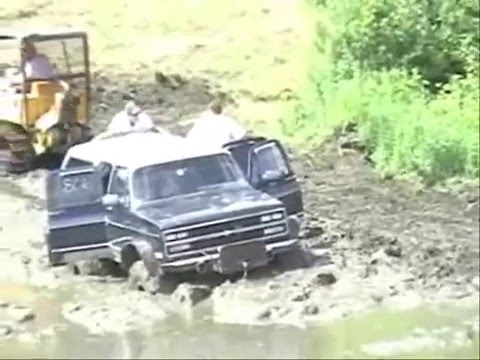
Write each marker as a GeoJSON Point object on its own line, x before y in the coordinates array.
{"type": "Point", "coordinates": [119, 183]}
{"type": "Point", "coordinates": [269, 158]}
{"type": "Point", "coordinates": [241, 154]}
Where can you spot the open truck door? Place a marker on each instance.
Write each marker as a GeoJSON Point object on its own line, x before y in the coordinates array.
{"type": "Point", "coordinates": [75, 213]}
{"type": "Point", "coordinates": [267, 168]}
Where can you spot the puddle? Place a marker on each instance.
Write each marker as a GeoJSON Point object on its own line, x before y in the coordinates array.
{"type": "Point", "coordinates": [433, 332]}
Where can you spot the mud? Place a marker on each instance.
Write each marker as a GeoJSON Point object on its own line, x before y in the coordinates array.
{"type": "Point", "coordinates": [172, 100]}
{"type": "Point", "coordinates": [369, 242]}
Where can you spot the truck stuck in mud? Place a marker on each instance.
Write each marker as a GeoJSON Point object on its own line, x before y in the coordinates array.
{"type": "Point", "coordinates": [158, 204]}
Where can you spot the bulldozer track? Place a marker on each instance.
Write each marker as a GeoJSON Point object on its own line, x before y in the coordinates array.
{"type": "Point", "coordinates": [16, 153]}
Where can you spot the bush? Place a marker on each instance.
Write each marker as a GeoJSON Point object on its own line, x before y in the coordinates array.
{"type": "Point", "coordinates": [376, 63]}
{"type": "Point", "coordinates": [438, 38]}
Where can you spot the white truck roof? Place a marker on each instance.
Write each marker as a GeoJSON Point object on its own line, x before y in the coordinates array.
{"type": "Point", "coordinates": [136, 150]}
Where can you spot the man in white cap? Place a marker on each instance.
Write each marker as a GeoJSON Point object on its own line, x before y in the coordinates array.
{"type": "Point", "coordinates": [131, 119]}
{"type": "Point", "coordinates": [215, 128]}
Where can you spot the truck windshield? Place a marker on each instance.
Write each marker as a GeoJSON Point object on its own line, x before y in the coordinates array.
{"type": "Point", "coordinates": [185, 177]}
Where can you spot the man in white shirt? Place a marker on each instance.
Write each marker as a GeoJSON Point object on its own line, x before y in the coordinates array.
{"type": "Point", "coordinates": [214, 128]}
{"type": "Point", "coordinates": [130, 118]}
{"type": "Point", "coordinates": [36, 66]}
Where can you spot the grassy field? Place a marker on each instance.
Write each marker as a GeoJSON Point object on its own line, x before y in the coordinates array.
{"type": "Point", "coordinates": [253, 49]}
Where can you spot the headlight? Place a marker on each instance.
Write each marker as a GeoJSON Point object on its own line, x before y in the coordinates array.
{"type": "Point", "coordinates": [277, 216]}
{"type": "Point", "coordinates": [270, 217]}
{"type": "Point", "coordinates": [273, 230]}
{"type": "Point", "coordinates": [266, 218]}
{"type": "Point", "coordinates": [178, 248]}
{"type": "Point", "coordinates": [176, 236]}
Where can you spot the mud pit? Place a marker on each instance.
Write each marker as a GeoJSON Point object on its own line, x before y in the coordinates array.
{"type": "Point", "coordinates": [370, 243]}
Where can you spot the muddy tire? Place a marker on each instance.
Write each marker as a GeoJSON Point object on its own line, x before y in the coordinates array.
{"type": "Point", "coordinates": [111, 268]}
{"type": "Point", "coordinates": [296, 258]}
{"type": "Point", "coordinates": [139, 278]}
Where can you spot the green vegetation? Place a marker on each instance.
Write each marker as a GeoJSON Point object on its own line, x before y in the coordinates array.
{"type": "Point", "coordinates": [405, 74]}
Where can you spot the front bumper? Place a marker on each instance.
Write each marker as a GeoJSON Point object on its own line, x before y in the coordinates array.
{"type": "Point", "coordinates": [209, 262]}
{"type": "Point", "coordinates": [205, 262]}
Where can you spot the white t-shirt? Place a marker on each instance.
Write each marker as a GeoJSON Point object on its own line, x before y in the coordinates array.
{"type": "Point", "coordinates": [121, 122]}
{"type": "Point", "coordinates": [39, 68]}
{"type": "Point", "coordinates": [216, 129]}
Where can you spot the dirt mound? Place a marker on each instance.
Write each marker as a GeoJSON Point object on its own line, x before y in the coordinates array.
{"type": "Point", "coordinates": [169, 98]}
{"type": "Point", "coordinates": [363, 218]}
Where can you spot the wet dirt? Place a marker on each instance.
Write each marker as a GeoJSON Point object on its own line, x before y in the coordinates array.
{"type": "Point", "coordinates": [370, 243]}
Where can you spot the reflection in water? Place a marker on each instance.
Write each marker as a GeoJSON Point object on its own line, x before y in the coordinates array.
{"type": "Point", "coordinates": [194, 335]}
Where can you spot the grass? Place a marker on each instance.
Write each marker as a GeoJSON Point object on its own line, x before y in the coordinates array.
{"type": "Point", "coordinates": [406, 128]}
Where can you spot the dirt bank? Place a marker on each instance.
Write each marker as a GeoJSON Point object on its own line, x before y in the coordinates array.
{"type": "Point", "coordinates": [391, 244]}
{"type": "Point", "coordinates": [369, 242]}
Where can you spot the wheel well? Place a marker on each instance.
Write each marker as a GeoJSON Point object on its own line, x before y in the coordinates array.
{"type": "Point", "coordinates": [128, 255]}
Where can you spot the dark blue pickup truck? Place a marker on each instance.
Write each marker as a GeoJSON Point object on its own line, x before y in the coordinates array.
{"type": "Point", "coordinates": [165, 204]}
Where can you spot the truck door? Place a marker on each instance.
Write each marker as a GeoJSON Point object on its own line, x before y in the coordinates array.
{"type": "Point", "coordinates": [270, 171]}
{"type": "Point", "coordinates": [240, 151]}
{"type": "Point", "coordinates": [75, 222]}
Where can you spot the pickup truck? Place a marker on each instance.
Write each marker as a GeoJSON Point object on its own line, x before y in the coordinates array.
{"type": "Point", "coordinates": [163, 204]}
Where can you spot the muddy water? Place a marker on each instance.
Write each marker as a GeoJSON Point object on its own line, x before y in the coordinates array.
{"type": "Point", "coordinates": [422, 332]}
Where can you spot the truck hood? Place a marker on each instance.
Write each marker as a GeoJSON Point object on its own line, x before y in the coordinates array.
{"type": "Point", "coordinates": [209, 205]}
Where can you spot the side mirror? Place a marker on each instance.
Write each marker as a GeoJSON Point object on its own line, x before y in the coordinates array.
{"type": "Point", "coordinates": [272, 175]}
{"type": "Point", "coordinates": [110, 200]}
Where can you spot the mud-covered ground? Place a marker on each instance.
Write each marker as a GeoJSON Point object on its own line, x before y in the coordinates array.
{"type": "Point", "coordinates": [369, 243]}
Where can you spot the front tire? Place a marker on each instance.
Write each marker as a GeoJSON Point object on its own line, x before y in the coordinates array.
{"type": "Point", "coordinates": [295, 258]}
{"type": "Point", "coordinates": [140, 279]}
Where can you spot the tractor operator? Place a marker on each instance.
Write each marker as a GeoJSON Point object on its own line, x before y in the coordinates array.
{"type": "Point", "coordinates": [36, 66]}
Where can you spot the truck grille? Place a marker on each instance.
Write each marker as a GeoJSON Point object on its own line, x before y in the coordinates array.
{"type": "Point", "coordinates": [207, 237]}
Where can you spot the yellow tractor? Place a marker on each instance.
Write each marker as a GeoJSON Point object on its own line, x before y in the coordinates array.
{"type": "Point", "coordinates": [44, 94]}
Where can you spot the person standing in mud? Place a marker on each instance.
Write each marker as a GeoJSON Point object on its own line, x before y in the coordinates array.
{"type": "Point", "coordinates": [132, 118]}
{"type": "Point", "coordinates": [216, 128]}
